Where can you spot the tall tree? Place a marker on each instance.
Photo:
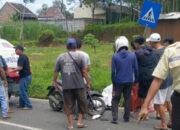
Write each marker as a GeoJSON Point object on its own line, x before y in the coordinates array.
{"type": "Point", "coordinates": [22, 17]}
{"type": "Point", "coordinates": [43, 9]}
{"type": "Point", "coordinates": [60, 4]}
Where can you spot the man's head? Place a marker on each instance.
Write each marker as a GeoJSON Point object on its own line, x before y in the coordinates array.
{"type": "Point", "coordinates": [19, 49]}
{"type": "Point", "coordinates": [79, 43]}
{"type": "Point", "coordinates": [168, 41]}
{"type": "Point", "coordinates": [139, 41]}
{"type": "Point", "coordinates": [133, 47]}
{"type": "Point", "coordinates": [71, 44]}
{"type": "Point", "coordinates": [154, 40]}
{"type": "Point", "coordinates": [121, 43]}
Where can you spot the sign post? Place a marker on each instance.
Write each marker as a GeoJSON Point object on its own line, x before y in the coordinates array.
{"type": "Point", "coordinates": [150, 15]}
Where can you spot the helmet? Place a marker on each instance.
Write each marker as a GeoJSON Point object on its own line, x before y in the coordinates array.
{"type": "Point", "coordinates": [122, 41]}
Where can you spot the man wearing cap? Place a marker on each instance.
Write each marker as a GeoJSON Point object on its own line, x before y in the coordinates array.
{"type": "Point", "coordinates": [168, 41]}
{"type": "Point", "coordinates": [25, 78]}
{"type": "Point", "coordinates": [163, 94]}
{"type": "Point", "coordinates": [124, 72]}
{"type": "Point", "coordinates": [73, 68]}
{"type": "Point", "coordinates": [169, 63]}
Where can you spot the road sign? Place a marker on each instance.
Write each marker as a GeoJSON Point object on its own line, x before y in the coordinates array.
{"type": "Point", "coordinates": [150, 14]}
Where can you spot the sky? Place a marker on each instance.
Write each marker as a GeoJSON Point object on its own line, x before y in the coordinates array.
{"type": "Point", "coordinates": [38, 4]}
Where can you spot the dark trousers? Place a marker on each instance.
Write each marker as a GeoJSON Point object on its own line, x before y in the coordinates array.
{"type": "Point", "coordinates": [117, 91]}
{"type": "Point", "coordinates": [175, 99]}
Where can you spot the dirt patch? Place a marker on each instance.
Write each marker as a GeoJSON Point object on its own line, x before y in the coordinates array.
{"type": "Point", "coordinates": [37, 54]}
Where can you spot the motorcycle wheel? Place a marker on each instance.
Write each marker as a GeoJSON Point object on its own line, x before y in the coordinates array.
{"type": "Point", "coordinates": [58, 97]}
{"type": "Point", "coordinates": [99, 106]}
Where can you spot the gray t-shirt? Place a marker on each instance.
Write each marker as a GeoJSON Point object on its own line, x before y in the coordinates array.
{"type": "Point", "coordinates": [71, 74]}
{"type": "Point", "coordinates": [1, 65]}
{"type": "Point", "coordinates": [168, 82]}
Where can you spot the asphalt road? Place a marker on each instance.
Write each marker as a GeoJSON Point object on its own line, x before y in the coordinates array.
{"type": "Point", "coordinates": [43, 118]}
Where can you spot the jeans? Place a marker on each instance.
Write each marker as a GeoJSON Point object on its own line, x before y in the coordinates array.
{"type": "Point", "coordinates": [3, 101]}
{"type": "Point", "coordinates": [23, 86]}
{"type": "Point", "coordinates": [117, 91]}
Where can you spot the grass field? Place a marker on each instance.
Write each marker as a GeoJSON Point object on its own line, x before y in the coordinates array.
{"type": "Point", "coordinates": [43, 60]}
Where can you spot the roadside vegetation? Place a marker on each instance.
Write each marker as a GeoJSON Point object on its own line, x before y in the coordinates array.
{"type": "Point", "coordinates": [43, 60]}
{"type": "Point", "coordinates": [32, 31]}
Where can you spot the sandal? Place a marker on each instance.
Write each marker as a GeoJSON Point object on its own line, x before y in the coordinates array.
{"type": "Point", "coordinates": [82, 126]}
{"type": "Point", "coordinates": [26, 108]}
{"type": "Point", "coordinates": [70, 128]}
{"type": "Point", "coordinates": [6, 117]}
{"type": "Point", "coordinates": [160, 128]}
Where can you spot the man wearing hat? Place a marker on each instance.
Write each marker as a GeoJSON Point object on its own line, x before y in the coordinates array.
{"type": "Point", "coordinates": [163, 94]}
{"type": "Point", "coordinates": [73, 68]}
{"type": "Point", "coordinates": [25, 78]}
{"type": "Point", "coordinates": [169, 63]}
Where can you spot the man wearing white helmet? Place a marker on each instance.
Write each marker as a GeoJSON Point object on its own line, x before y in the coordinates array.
{"type": "Point", "coordinates": [123, 67]}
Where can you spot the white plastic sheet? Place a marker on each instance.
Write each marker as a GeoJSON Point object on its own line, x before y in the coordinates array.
{"type": "Point", "coordinates": [107, 95]}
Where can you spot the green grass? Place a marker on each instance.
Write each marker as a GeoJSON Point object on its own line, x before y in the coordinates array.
{"type": "Point", "coordinates": [43, 59]}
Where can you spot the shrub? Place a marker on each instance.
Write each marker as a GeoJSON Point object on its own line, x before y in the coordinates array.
{"type": "Point", "coordinates": [46, 37]}
{"type": "Point", "coordinates": [90, 39]}
{"type": "Point", "coordinates": [109, 32]}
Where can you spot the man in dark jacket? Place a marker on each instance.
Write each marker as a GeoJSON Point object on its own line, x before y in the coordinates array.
{"type": "Point", "coordinates": [124, 69]}
{"type": "Point", "coordinates": [145, 57]}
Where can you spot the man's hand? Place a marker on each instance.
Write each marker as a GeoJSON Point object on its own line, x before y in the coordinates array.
{"type": "Point", "coordinates": [143, 113]}
{"type": "Point", "coordinates": [5, 83]}
{"type": "Point", "coordinates": [9, 71]}
{"type": "Point", "coordinates": [55, 85]}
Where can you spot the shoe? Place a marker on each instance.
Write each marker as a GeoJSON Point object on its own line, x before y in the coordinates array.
{"type": "Point", "coordinates": [6, 117]}
{"type": "Point", "coordinates": [158, 118]}
{"type": "Point", "coordinates": [114, 122]}
{"type": "Point", "coordinates": [126, 120]}
{"type": "Point", "coordinates": [169, 126]}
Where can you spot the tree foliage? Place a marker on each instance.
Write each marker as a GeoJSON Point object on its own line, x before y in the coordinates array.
{"type": "Point", "coordinates": [134, 6]}
{"type": "Point", "coordinates": [90, 40]}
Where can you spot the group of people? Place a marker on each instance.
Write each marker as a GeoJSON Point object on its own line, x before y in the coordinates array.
{"type": "Point", "coordinates": [149, 73]}
{"type": "Point", "coordinates": [135, 73]}
{"type": "Point", "coordinates": [23, 67]}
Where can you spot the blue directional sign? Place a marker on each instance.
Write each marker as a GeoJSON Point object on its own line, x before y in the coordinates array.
{"type": "Point", "coordinates": [150, 14]}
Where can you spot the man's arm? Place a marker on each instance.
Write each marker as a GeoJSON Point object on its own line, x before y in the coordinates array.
{"type": "Point", "coordinates": [136, 69]}
{"type": "Point", "coordinates": [85, 75]}
{"type": "Point", "coordinates": [88, 68]}
{"type": "Point", "coordinates": [16, 69]}
{"type": "Point", "coordinates": [3, 76]}
{"type": "Point", "coordinates": [156, 84]}
{"type": "Point", "coordinates": [54, 79]}
{"type": "Point", "coordinates": [113, 69]}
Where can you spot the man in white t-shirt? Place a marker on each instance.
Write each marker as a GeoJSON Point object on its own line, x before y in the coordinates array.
{"type": "Point", "coordinates": [88, 63]}
{"type": "Point", "coordinates": [86, 56]}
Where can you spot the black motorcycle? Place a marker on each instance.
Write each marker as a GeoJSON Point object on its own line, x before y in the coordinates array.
{"type": "Point", "coordinates": [96, 105]}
